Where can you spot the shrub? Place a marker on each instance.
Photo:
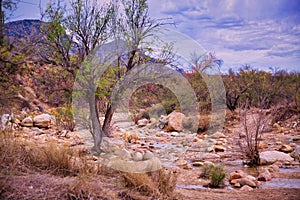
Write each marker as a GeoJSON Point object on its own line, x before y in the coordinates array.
{"type": "Point", "coordinates": [217, 177]}
{"type": "Point", "coordinates": [206, 171]}
{"type": "Point", "coordinates": [159, 184]}
{"type": "Point", "coordinates": [216, 174]}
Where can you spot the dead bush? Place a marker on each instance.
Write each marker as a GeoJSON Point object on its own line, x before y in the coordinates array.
{"type": "Point", "coordinates": [160, 184]}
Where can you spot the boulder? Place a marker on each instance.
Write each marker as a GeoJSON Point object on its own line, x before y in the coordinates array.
{"type": "Point", "coordinates": [296, 153]}
{"type": "Point", "coordinates": [219, 148]}
{"type": "Point", "coordinates": [181, 162]}
{"type": "Point", "coordinates": [148, 155]}
{"type": "Point", "coordinates": [218, 135]}
{"type": "Point", "coordinates": [236, 175]}
{"type": "Point", "coordinates": [210, 156]}
{"type": "Point", "coordinates": [124, 154]}
{"type": "Point", "coordinates": [197, 164]}
{"type": "Point", "coordinates": [174, 134]}
{"type": "Point", "coordinates": [264, 175]}
{"type": "Point", "coordinates": [246, 188]}
{"type": "Point", "coordinates": [27, 121]}
{"type": "Point", "coordinates": [175, 121]}
{"type": "Point", "coordinates": [6, 121]}
{"type": "Point", "coordinates": [273, 168]}
{"type": "Point", "coordinates": [244, 181]}
{"type": "Point", "coordinates": [286, 148]}
{"type": "Point", "coordinates": [43, 120]}
{"type": "Point", "coordinates": [206, 163]}
{"type": "Point", "coordinates": [137, 156]}
{"type": "Point", "coordinates": [36, 131]}
{"type": "Point", "coordinates": [270, 157]}
{"type": "Point", "coordinates": [142, 122]}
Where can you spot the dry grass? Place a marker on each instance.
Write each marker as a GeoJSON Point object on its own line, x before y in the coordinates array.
{"type": "Point", "coordinates": [158, 185]}
{"type": "Point", "coordinates": [52, 171]}
{"type": "Point", "coordinates": [28, 171]}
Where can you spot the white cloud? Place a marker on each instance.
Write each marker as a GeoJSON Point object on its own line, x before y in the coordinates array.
{"type": "Point", "coordinates": [259, 33]}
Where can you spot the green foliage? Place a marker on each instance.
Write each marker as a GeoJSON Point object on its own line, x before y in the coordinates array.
{"type": "Point", "coordinates": [206, 171]}
{"type": "Point", "coordinates": [216, 174]}
{"type": "Point", "coordinates": [64, 117]}
{"type": "Point", "coordinates": [217, 177]}
{"type": "Point", "coordinates": [260, 89]}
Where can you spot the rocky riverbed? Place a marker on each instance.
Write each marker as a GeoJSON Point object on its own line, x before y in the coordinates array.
{"type": "Point", "coordinates": [144, 147]}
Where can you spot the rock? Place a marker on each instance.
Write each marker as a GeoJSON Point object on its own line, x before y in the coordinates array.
{"type": "Point", "coordinates": [174, 134]}
{"type": "Point", "coordinates": [252, 178]}
{"type": "Point", "coordinates": [273, 168]}
{"type": "Point", "coordinates": [142, 122]}
{"type": "Point", "coordinates": [148, 155]}
{"type": "Point", "coordinates": [219, 142]}
{"type": "Point", "coordinates": [235, 175]}
{"type": "Point", "coordinates": [175, 121]}
{"type": "Point", "coordinates": [219, 148]}
{"type": "Point", "coordinates": [286, 148]}
{"type": "Point", "coordinates": [27, 121]}
{"type": "Point", "coordinates": [36, 131]}
{"type": "Point", "coordinates": [218, 135]}
{"type": "Point", "coordinates": [130, 137]}
{"type": "Point", "coordinates": [137, 156]}
{"type": "Point", "coordinates": [265, 175]}
{"type": "Point", "coordinates": [246, 188]}
{"type": "Point", "coordinates": [190, 123]}
{"type": "Point", "coordinates": [276, 125]}
{"type": "Point", "coordinates": [6, 121]}
{"type": "Point", "coordinates": [124, 154]}
{"type": "Point", "coordinates": [296, 153]}
{"type": "Point", "coordinates": [270, 157]}
{"type": "Point", "coordinates": [208, 163]}
{"type": "Point", "coordinates": [43, 120]}
{"type": "Point", "coordinates": [211, 156]}
{"type": "Point", "coordinates": [237, 185]}
{"type": "Point", "coordinates": [153, 164]}
{"type": "Point", "coordinates": [181, 163]}
{"type": "Point", "coordinates": [245, 181]}
{"type": "Point", "coordinates": [197, 164]}
{"type": "Point", "coordinates": [112, 145]}
{"type": "Point", "coordinates": [263, 145]}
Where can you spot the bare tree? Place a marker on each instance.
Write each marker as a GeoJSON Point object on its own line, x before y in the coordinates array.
{"type": "Point", "coordinates": [253, 123]}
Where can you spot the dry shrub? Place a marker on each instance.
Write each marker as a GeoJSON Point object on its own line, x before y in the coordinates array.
{"type": "Point", "coordinates": [56, 159]}
{"type": "Point", "coordinates": [204, 123]}
{"type": "Point", "coordinates": [44, 186]}
{"type": "Point", "coordinates": [11, 154]}
{"type": "Point", "coordinates": [141, 182]}
{"type": "Point", "coordinates": [28, 171]}
{"type": "Point", "coordinates": [167, 182]}
{"type": "Point", "coordinates": [160, 184]}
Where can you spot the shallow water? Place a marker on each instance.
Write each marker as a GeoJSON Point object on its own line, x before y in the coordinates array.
{"type": "Point", "coordinates": [193, 187]}
{"type": "Point", "coordinates": [289, 170]}
{"type": "Point", "coordinates": [282, 183]}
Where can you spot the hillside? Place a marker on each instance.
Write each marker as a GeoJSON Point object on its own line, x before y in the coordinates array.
{"type": "Point", "coordinates": [23, 28]}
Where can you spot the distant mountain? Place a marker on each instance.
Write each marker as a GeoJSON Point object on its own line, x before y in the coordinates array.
{"type": "Point", "coordinates": [23, 28]}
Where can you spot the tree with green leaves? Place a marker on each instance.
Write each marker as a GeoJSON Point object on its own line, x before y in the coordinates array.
{"type": "Point", "coordinates": [135, 27]}
{"type": "Point", "coordinates": [72, 34]}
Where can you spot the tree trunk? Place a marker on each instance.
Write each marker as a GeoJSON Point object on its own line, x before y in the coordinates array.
{"type": "Point", "coordinates": [96, 126]}
{"type": "Point", "coordinates": [107, 121]}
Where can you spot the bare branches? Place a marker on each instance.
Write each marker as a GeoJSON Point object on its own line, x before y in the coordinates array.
{"type": "Point", "coordinates": [253, 123]}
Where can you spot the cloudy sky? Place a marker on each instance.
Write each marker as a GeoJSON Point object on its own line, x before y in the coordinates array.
{"type": "Point", "coordinates": [259, 33]}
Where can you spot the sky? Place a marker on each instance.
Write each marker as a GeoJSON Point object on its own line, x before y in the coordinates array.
{"type": "Point", "coordinates": [259, 33]}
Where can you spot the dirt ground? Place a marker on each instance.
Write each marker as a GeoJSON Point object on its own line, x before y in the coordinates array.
{"type": "Point", "coordinates": [258, 194]}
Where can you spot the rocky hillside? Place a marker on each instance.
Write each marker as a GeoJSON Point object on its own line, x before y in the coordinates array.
{"type": "Point", "coordinates": [23, 28]}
